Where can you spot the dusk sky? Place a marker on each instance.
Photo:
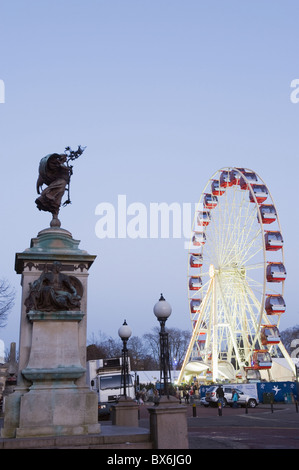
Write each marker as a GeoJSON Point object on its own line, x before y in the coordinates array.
{"type": "Point", "coordinates": [162, 93]}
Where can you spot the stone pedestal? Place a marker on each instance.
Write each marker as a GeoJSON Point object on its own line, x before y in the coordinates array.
{"type": "Point", "coordinates": [51, 397]}
{"type": "Point", "coordinates": [125, 412]}
{"type": "Point", "coordinates": [168, 424]}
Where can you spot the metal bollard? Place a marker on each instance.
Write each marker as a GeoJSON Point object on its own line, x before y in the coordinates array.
{"type": "Point", "coordinates": [194, 410]}
{"type": "Point", "coordinates": [296, 404]}
{"type": "Point", "coordinates": [219, 408]}
{"type": "Point", "coordinates": [246, 407]}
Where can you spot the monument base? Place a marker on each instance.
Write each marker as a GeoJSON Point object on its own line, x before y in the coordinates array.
{"type": "Point", "coordinates": [55, 412]}
{"type": "Point", "coordinates": [51, 398]}
{"type": "Point", "coordinates": [55, 431]}
{"type": "Point", "coordinates": [51, 411]}
{"type": "Point", "coordinates": [11, 414]}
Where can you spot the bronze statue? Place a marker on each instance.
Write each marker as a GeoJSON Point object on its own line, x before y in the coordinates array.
{"type": "Point", "coordinates": [55, 172]}
{"type": "Point", "coordinates": [54, 291]}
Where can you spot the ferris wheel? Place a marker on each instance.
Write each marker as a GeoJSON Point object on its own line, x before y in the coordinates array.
{"type": "Point", "coordinates": [236, 276]}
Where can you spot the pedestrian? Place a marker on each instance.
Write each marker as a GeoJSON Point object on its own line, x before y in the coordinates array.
{"type": "Point", "coordinates": [235, 397]}
{"type": "Point", "coordinates": [187, 397]}
{"type": "Point", "coordinates": [156, 397]}
{"type": "Point", "coordinates": [141, 399]}
{"type": "Point", "coordinates": [220, 395]}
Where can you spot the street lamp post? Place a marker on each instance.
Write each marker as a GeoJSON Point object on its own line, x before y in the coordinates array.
{"type": "Point", "coordinates": [163, 310]}
{"type": "Point", "coordinates": [124, 333]}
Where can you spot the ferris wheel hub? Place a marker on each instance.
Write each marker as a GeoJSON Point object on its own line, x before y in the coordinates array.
{"type": "Point", "coordinates": [211, 271]}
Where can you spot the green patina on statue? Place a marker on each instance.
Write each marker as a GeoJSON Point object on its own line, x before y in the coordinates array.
{"type": "Point", "coordinates": [55, 171]}
{"type": "Point", "coordinates": [54, 290]}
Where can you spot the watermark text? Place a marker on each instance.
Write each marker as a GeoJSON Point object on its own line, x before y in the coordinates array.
{"type": "Point", "coordinates": [294, 96]}
{"type": "Point", "coordinates": [136, 220]}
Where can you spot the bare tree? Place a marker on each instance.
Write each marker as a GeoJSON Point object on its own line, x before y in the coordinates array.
{"type": "Point", "coordinates": [178, 341]}
{"type": "Point", "coordinates": [288, 336]}
{"type": "Point", "coordinates": [103, 347]}
{"type": "Point", "coordinates": [152, 343]}
{"type": "Point", "coordinates": [136, 352]}
{"type": "Point", "coordinates": [7, 299]}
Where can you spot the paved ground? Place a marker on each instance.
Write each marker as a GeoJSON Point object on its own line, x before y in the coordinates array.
{"type": "Point", "coordinates": [260, 428]}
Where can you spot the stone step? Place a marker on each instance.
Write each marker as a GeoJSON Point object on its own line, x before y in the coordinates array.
{"type": "Point", "coordinates": [110, 438]}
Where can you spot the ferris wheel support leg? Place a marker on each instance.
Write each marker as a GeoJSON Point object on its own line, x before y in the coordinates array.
{"type": "Point", "coordinates": [188, 353]}
{"type": "Point", "coordinates": [270, 378]}
{"type": "Point", "coordinates": [227, 315]}
{"type": "Point", "coordinates": [215, 334]}
{"type": "Point", "coordinates": [194, 336]}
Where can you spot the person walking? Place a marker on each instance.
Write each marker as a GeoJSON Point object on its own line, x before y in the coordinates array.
{"type": "Point", "coordinates": [235, 398]}
{"type": "Point", "coordinates": [220, 395]}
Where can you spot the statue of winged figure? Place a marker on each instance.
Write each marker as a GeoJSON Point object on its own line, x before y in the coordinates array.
{"type": "Point", "coordinates": [55, 172]}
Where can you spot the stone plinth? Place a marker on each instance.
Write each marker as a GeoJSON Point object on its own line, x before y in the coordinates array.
{"type": "Point", "coordinates": [57, 409]}
{"type": "Point", "coordinates": [168, 424]}
{"type": "Point", "coordinates": [125, 412]}
{"type": "Point", "coordinates": [51, 397]}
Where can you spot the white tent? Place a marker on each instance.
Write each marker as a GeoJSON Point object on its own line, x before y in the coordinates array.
{"type": "Point", "coordinates": [152, 376]}
{"type": "Point", "coordinates": [280, 370]}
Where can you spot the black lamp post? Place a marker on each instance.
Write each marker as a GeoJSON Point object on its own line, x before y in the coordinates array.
{"type": "Point", "coordinates": [124, 333]}
{"type": "Point", "coordinates": [162, 310]}
{"type": "Point", "coordinates": [297, 383]}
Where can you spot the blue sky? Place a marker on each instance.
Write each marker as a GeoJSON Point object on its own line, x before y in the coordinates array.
{"type": "Point", "coordinates": [163, 94]}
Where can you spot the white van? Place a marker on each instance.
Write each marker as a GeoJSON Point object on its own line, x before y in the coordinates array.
{"type": "Point", "coordinates": [105, 378]}
{"type": "Point", "coordinates": [211, 396]}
